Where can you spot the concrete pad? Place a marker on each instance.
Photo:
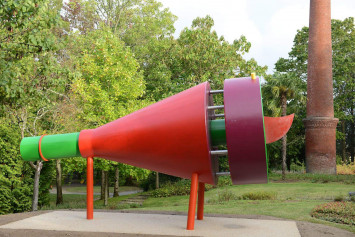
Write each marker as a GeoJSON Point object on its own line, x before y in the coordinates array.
{"type": "Point", "coordinates": [155, 224]}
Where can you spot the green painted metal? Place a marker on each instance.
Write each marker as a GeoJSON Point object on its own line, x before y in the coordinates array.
{"type": "Point", "coordinates": [218, 132]}
{"type": "Point", "coordinates": [53, 147]}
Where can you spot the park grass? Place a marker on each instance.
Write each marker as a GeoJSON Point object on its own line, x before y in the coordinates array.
{"type": "Point", "coordinates": [78, 201]}
{"type": "Point", "coordinates": [293, 201]}
{"type": "Point", "coordinates": [97, 189]}
{"type": "Point", "coordinates": [71, 201]}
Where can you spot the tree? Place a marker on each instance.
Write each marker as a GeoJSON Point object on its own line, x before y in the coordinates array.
{"type": "Point", "coordinates": [29, 79]}
{"type": "Point", "coordinates": [15, 187]}
{"type": "Point", "coordinates": [278, 91]}
{"type": "Point", "coordinates": [108, 85]}
{"type": "Point", "coordinates": [203, 56]}
{"type": "Point", "coordinates": [343, 37]}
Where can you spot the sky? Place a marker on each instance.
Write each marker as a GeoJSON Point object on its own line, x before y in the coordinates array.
{"type": "Point", "coordinates": [270, 26]}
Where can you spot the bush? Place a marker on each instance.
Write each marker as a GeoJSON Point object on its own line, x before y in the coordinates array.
{"type": "Point", "coordinates": [15, 183]}
{"type": "Point", "coordinates": [259, 195]}
{"type": "Point", "coordinates": [179, 188]}
{"type": "Point", "coordinates": [314, 178]}
{"type": "Point", "coordinates": [339, 198]}
{"type": "Point", "coordinates": [338, 212]}
{"type": "Point", "coordinates": [346, 169]}
{"type": "Point", "coordinates": [298, 167]}
{"type": "Point", "coordinates": [224, 181]}
{"type": "Point", "coordinates": [149, 183]}
{"type": "Point", "coordinates": [224, 195]}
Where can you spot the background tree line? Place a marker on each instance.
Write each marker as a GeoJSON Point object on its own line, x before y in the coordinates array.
{"type": "Point", "coordinates": [78, 65]}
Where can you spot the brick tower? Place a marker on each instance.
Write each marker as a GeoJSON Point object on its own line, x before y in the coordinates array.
{"type": "Point", "coordinates": [320, 123]}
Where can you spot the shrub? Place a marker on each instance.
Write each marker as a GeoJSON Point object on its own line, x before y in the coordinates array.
{"type": "Point", "coordinates": [224, 181]}
{"type": "Point", "coordinates": [346, 169]}
{"type": "Point", "coordinates": [180, 188]}
{"type": "Point", "coordinates": [339, 198]}
{"type": "Point", "coordinates": [314, 178]}
{"type": "Point", "coordinates": [224, 195]}
{"type": "Point", "coordinates": [259, 195]}
{"type": "Point", "coordinates": [338, 212]}
{"type": "Point", "coordinates": [298, 167]}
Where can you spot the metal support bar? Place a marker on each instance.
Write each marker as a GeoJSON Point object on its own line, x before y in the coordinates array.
{"type": "Point", "coordinates": [219, 115]}
{"type": "Point", "coordinates": [215, 107]}
{"type": "Point", "coordinates": [216, 91]}
{"type": "Point", "coordinates": [219, 153]}
{"type": "Point", "coordinates": [200, 200]}
{"type": "Point", "coordinates": [89, 188]}
{"type": "Point", "coordinates": [192, 202]}
{"type": "Point", "coordinates": [223, 173]}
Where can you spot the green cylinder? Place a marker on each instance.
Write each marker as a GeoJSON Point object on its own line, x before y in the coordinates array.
{"type": "Point", "coordinates": [52, 147]}
{"type": "Point", "coordinates": [218, 132]}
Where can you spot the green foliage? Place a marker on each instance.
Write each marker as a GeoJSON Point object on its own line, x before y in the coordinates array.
{"type": "Point", "coordinates": [109, 82]}
{"type": "Point", "coordinates": [45, 182]}
{"type": "Point", "coordinates": [314, 178]}
{"type": "Point", "coordinates": [173, 189]}
{"type": "Point", "coordinates": [224, 181]}
{"type": "Point", "coordinates": [149, 183]}
{"type": "Point", "coordinates": [224, 195]}
{"type": "Point", "coordinates": [339, 198]}
{"type": "Point", "coordinates": [179, 188]}
{"type": "Point", "coordinates": [343, 36]}
{"type": "Point", "coordinates": [203, 56]}
{"type": "Point", "coordinates": [15, 190]}
{"type": "Point", "coordinates": [338, 212]}
{"type": "Point", "coordinates": [260, 195]}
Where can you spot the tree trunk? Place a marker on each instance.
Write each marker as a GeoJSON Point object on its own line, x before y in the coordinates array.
{"type": "Point", "coordinates": [343, 142]}
{"type": "Point", "coordinates": [38, 169]}
{"type": "Point", "coordinates": [352, 135]}
{"type": "Point", "coordinates": [59, 183]}
{"type": "Point", "coordinates": [117, 183]}
{"type": "Point", "coordinates": [284, 167]}
{"type": "Point", "coordinates": [284, 138]}
{"type": "Point", "coordinates": [102, 185]}
{"type": "Point", "coordinates": [106, 188]}
{"type": "Point", "coordinates": [156, 180]}
{"type": "Point", "coordinates": [107, 184]}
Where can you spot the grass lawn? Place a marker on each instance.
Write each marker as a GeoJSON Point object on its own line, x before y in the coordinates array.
{"type": "Point", "coordinates": [78, 201]}
{"type": "Point", "coordinates": [293, 201]}
{"type": "Point", "coordinates": [97, 189]}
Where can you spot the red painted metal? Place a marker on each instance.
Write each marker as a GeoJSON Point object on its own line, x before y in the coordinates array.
{"type": "Point", "coordinates": [201, 200]}
{"type": "Point", "coordinates": [277, 127]}
{"type": "Point", "coordinates": [192, 202]}
{"type": "Point", "coordinates": [245, 131]}
{"type": "Point", "coordinates": [89, 188]}
{"type": "Point", "coordinates": [171, 137]}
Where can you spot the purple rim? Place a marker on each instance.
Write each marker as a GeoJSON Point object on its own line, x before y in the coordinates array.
{"type": "Point", "coordinates": [245, 131]}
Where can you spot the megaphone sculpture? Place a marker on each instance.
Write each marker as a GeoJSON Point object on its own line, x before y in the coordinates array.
{"type": "Point", "coordinates": [179, 136]}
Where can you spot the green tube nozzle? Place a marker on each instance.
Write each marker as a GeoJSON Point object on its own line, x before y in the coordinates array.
{"type": "Point", "coordinates": [52, 147]}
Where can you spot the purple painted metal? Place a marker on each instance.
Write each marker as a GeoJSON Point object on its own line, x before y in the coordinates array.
{"type": "Point", "coordinates": [245, 131]}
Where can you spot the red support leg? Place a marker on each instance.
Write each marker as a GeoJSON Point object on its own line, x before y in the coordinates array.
{"type": "Point", "coordinates": [90, 188]}
{"type": "Point", "coordinates": [192, 202]}
{"type": "Point", "coordinates": [201, 200]}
